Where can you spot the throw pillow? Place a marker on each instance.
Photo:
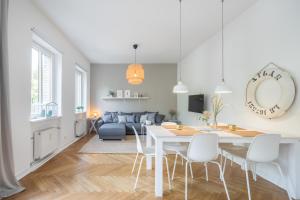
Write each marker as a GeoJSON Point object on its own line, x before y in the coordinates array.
{"type": "Point", "coordinates": [114, 116]}
{"type": "Point", "coordinates": [107, 118]}
{"type": "Point", "coordinates": [159, 118]}
{"type": "Point", "coordinates": [122, 118]}
{"type": "Point", "coordinates": [143, 119]}
{"type": "Point", "coordinates": [151, 117]}
{"type": "Point", "coordinates": [130, 118]}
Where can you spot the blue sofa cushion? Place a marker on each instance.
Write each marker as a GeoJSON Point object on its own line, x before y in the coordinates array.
{"type": "Point", "coordinates": [112, 129]}
{"type": "Point", "coordinates": [151, 117]}
{"type": "Point", "coordinates": [107, 118]}
{"type": "Point", "coordinates": [143, 118]}
{"type": "Point", "coordinates": [159, 118]}
{"type": "Point", "coordinates": [130, 118]}
{"type": "Point", "coordinates": [122, 118]}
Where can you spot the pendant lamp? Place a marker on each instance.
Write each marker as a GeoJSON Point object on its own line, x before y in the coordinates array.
{"type": "Point", "coordinates": [135, 72]}
{"type": "Point", "coordinates": [222, 88]}
{"type": "Point", "coordinates": [180, 88]}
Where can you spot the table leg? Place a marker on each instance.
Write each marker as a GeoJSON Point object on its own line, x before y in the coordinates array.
{"type": "Point", "coordinates": [159, 168]}
{"type": "Point", "coordinates": [149, 158]}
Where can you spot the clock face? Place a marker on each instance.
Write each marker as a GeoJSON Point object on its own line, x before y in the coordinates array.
{"type": "Point", "coordinates": [271, 92]}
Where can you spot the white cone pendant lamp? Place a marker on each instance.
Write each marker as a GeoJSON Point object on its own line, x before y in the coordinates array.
{"type": "Point", "coordinates": [222, 88]}
{"type": "Point", "coordinates": [180, 88]}
{"type": "Point", "coordinates": [135, 72]}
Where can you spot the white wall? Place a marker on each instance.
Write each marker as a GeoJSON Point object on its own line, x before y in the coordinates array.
{"type": "Point", "coordinates": [267, 32]}
{"type": "Point", "coordinates": [158, 85]}
{"type": "Point", "coordinates": [23, 15]}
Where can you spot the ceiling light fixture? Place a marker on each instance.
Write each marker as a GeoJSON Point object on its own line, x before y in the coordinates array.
{"type": "Point", "coordinates": [180, 88]}
{"type": "Point", "coordinates": [135, 72]}
{"type": "Point", "coordinates": [222, 88]}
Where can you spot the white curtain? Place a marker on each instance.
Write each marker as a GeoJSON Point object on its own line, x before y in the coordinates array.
{"type": "Point", "coordinates": [8, 182]}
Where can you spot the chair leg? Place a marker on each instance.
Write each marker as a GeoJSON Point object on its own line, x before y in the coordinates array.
{"type": "Point", "coordinates": [137, 155]}
{"type": "Point", "coordinates": [168, 173]}
{"type": "Point", "coordinates": [191, 171]}
{"type": "Point", "coordinates": [247, 180]}
{"type": "Point", "coordinates": [224, 164]}
{"type": "Point", "coordinates": [174, 167]}
{"type": "Point", "coordinates": [282, 178]}
{"type": "Point", "coordinates": [253, 169]}
{"type": "Point", "coordinates": [181, 160]}
{"type": "Point", "coordinates": [138, 174]}
{"type": "Point", "coordinates": [222, 179]}
{"type": "Point", "coordinates": [206, 171]}
{"type": "Point", "coordinates": [186, 181]}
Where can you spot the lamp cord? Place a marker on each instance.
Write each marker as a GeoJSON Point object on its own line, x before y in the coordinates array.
{"type": "Point", "coordinates": [223, 79]}
{"type": "Point", "coordinates": [180, 42]}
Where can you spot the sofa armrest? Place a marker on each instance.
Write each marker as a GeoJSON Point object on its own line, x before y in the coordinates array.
{"type": "Point", "coordinates": [99, 123]}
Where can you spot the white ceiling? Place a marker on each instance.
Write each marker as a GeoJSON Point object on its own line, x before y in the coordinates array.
{"type": "Point", "coordinates": [104, 30]}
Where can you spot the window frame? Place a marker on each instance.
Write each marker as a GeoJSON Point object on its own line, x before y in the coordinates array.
{"type": "Point", "coordinates": [44, 51]}
{"type": "Point", "coordinates": [83, 88]}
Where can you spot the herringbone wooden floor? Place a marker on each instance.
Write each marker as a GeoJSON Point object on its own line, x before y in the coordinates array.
{"type": "Point", "coordinates": [76, 176]}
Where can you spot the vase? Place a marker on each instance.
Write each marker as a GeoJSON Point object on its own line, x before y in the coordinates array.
{"type": "Point", "coordinates": [215, 122]}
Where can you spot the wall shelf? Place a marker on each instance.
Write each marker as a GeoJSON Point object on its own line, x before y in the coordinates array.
{"type": "Point", "coordinates": [125, 98]}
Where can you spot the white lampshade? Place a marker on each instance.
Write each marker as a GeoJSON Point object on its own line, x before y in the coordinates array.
{"type": "Point", "coordinates": [180, 88]}
{"type": "Point", "coordinates": [222, 89]}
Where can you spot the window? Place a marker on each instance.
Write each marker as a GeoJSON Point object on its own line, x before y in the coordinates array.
{"type": "Point", "coordinates": [44, 81]}
{"type": "Point", "coordinates": [80, 90]}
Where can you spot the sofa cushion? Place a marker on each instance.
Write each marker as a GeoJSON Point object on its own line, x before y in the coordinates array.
{"type": "Point", "coordinates": [159, 118]}
{"type": "Point", "coordinates": [138, 116]}
{"type": "Point", "coordinates": [107, 118]}
{"type": "Point", "coordinates": [130, 118]}
{"type": "Point", "coordinates": [112, 129]}
{"type": "Point", "coordinates": [143, 118]}
{"type": "Point", "coordinates": [114, 116]}
{"type": "Point", "coordinates": [151, 117]}
{"type": "Point", "coordinates": [122, 118]}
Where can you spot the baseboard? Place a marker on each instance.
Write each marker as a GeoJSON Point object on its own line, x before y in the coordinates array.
{"type": "Point", "coordinates": [38, 165]}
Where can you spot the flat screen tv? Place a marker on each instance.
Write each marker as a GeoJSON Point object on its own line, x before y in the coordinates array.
{"type": "Point", "coordinates": [196, 103]}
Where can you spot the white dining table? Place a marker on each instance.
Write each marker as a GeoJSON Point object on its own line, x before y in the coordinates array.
{"type": "Point", "coordinates": [159, 135]}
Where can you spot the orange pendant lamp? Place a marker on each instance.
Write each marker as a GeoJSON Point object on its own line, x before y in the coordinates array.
{"type": "Point", "coordinates": [135, 72]}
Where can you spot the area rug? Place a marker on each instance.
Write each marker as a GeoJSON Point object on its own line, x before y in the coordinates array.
{"type": "Point", "coordinates": [95, 145]}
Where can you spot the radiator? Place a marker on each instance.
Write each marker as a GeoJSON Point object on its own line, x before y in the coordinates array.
{"type": "Point", "coordinates": [80, 127]}
{"type": "Point", "coordinates": [45, 142]}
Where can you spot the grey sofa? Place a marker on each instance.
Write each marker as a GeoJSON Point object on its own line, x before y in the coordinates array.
{"type": "Point", "coordinates": [116, 125]}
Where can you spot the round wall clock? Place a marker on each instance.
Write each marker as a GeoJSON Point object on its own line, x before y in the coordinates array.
{"type": "Point", "coordinates": [271, 92]}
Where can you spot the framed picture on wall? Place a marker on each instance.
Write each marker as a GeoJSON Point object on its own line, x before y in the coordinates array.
{"type": "Point", "coordinates": [127, 94]}
{"type": "Point", "coordinates": [119, 93]}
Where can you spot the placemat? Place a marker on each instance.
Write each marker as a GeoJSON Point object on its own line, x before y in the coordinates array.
{"type": "Point", "coordinates": [185, 131]}
{"type": "Point", "coordinates": [240, 131]}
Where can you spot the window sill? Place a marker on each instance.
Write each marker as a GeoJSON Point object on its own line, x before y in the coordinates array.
{"type": "Point", "coordinates": [78, 113]}
{"type": "Point", "coordinates": [45, 119]}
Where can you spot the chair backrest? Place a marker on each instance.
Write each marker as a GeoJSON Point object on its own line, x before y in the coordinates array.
{"type": "Point", "coordinates": [264, 148]}
{"type": "Point", "coordinates": [138, 141]}
{"type": "Point", "coordinates": [203, 147]}
{"type": "Point", "coordinates": [168, 123]}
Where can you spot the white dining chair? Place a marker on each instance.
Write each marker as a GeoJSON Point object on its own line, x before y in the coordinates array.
{"type": "Point", "coordinates": [175, 147]}
{"type": "Point", "coordinates": [263, 149]}
{"type": "Point", "coordinates": [144, 151]}
{"type": "Point", "coordinates": [203, 148]}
